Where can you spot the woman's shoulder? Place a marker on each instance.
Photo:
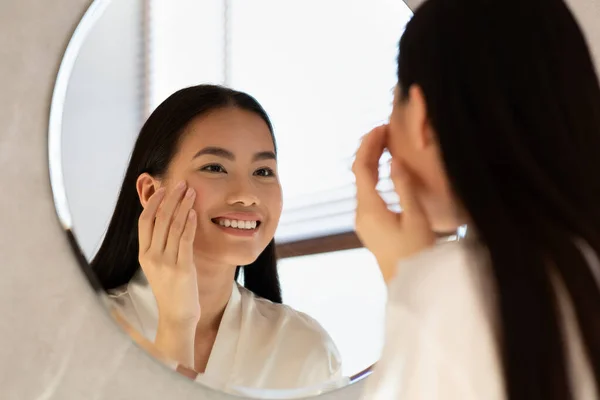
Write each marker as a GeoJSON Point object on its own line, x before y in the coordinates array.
{"type": "Point", "coordinates": [437, 277]}
{"type": "Point", "coordinates": [118, 292]}
{"type": "Point", "coordinates": [120, 299]}
{"type": "Point", "coordinates": [448, 291]}
{"type": "Point", "coordinates": [119, 296]}
{"type": "Point", "coordinates": [293, 330]}
{"type": "Point", "coordinates": [293, 319]}
{"type": "Point", "coordinates": [441, 311]}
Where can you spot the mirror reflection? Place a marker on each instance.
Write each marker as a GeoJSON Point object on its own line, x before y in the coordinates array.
{"type": "Point", "coordinates": [206, 152]}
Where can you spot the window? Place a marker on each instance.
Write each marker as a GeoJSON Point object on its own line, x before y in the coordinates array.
{"type": "Point", "coordinates": [324, 71]}
{"type": "Point", "coordinates": [352, 311]}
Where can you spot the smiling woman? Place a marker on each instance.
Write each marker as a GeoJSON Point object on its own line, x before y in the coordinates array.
{"type": "Point", "coordinates": [200, 199]}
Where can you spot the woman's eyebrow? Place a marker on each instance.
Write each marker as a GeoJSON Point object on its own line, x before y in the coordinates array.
{"type": "Point", "coordinates": [224, 153]}
{"type": "Point", "coordinates": [215, 151]}
{"type": "Point", "coordinates": [264, 155]}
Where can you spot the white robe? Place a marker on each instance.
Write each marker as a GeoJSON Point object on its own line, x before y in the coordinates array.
{"type": "Point", "coordinates": [259, 345]}
{"type": "Point", "coordinates": [441, 332]}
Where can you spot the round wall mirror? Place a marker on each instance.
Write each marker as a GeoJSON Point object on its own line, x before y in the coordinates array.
{"type": "Point", "coordinates": [258, 107]}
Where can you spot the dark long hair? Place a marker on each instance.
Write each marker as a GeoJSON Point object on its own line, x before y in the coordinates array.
{"type": "Point", "coordinates": [117, 259]}
{"type": "Point", "coordinates": [512, 93]}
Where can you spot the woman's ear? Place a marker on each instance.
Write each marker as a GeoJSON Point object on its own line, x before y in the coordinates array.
{"type": "Point", "coordinates": [146, 186]}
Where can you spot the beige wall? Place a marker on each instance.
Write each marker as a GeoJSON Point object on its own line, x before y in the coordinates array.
{"type": "Point", "coordinates": [57, 342]}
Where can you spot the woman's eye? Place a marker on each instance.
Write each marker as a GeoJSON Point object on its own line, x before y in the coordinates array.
{"type": "Point", "coordinates": [265, 172]}
{"type": "Point", "coordinates": [213, 168]}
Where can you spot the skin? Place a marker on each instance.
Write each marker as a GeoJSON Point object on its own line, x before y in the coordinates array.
{"type": "Point", "coordinates": [428, 204]}
{"type": "Point", "coordinates": [189, 260]}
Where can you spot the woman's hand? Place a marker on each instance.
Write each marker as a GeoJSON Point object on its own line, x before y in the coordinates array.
{"type": "Point", "coordinates": [390, 236]}
{"type": "Point", "coordinates": [167, 228]}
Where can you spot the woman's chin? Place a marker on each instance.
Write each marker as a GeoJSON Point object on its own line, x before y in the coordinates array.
{"type": "Point", "coordinates": [245, 260]}
{"type": "Point", "coordinates": [225, 259]}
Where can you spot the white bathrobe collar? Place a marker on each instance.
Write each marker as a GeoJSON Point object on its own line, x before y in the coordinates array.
{"type": "Point", "coordinates": [222, 357]}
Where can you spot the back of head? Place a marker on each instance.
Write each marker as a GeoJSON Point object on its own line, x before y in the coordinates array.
{"type": "Point", "coordinates": [116, 261]}
{"type": "Point", "coordinates": [513, 97]}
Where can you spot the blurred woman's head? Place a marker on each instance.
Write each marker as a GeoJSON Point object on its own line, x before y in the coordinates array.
{"type": "Point", "coordinates": [500, 94]}
{"type": "Point", "coordinates": [497, 117]}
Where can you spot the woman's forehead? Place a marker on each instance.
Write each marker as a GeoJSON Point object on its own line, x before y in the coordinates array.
{"type": "Point", "coordinates": [235, 130]}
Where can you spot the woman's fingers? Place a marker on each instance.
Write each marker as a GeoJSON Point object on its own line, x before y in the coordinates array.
{"type": "Point", "coordinates": [146, 220]}
{"type": "Point", "coordinates": [164, 216]}
{"type": "Point", "coordinates": [403, 185]}
{"type": "Point", "coordinates": [178, 225]}
{"type": "Point", "coordinates": [366, 169]}
{"type": "Point", "coordinates": [185, 255]}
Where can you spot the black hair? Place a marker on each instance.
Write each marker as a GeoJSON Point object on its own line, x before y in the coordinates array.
{"type": "Point", "coordinates": [116, 261]}
{"type": "Point", "coordinates": [512, 94]}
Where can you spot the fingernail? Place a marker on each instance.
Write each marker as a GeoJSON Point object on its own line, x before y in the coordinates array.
{"type": "Point", "coordinates": [180, 185]}
{"type": "Point", "coordinates": [160, 191]}
{"type": "Point", "coordinates": [190, 192]}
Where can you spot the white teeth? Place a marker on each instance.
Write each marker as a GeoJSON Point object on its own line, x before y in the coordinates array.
{"type": "Point", "coordinates": [238, 224]}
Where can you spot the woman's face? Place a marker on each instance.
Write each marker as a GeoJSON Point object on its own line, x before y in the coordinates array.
{"type": "Point", "coordinates": [228, 157]}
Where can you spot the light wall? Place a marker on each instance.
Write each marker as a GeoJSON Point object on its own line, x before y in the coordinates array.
{"type": "Point", "coordinates": [58, 343]}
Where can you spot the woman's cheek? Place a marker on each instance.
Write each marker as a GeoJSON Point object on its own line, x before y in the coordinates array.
{"type": "Point", "coordinates": [197, 201]}
{"type": "Point", "coordinates": [200, 190]}
{"type": "Point", "coordinates": [275, 209]}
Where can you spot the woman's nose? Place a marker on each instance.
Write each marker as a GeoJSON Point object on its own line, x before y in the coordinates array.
{"type": "Point", "coordinates": [243, 193]}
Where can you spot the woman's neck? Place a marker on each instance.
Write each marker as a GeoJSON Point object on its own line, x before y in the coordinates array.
{"type": "Point", "coordinates": [215, 283]}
